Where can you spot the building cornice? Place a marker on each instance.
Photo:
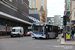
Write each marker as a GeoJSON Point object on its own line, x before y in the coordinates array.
{"type": "Point", "coordinates": [13, 17]}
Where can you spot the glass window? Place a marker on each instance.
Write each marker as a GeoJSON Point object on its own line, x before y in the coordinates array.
{"type": "Point", "coordinates": [49, 28]}
{"type": "Point", "coordinates": [68, 0]}
{"type": "Point", "coordinates": [30, 2]}
{"type": "Point", "coordinates": [34, 6]}
{"type": "Point", "coordinates": [42, 2]}
{"type": "Point", "coordinates": [33, 2]}
{"type": "Point", "coordinates": [74, 13]}
{"type": "Point", "coordinates": [43, 6]}
{"type": "Point", "coordinates": [38, 29]}
{"type": "Point", "coordinates": [2, 23]}
{"type": "Point", "coordinates": [15, 30]}
{"type": "Point", "coordinates": [68, 6]}
{"type": "Point", "coordinates": [10, 0]}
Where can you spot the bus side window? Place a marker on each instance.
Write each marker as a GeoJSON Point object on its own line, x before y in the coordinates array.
{"type": "Point", "coordinates": [49, 29]}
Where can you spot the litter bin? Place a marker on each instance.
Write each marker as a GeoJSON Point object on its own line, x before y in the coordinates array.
{"type": "Point", "coordinates": [67, 36]}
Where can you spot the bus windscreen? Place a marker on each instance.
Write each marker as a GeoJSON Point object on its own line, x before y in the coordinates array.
{"type": "Point", "coordinates": [38, 29]}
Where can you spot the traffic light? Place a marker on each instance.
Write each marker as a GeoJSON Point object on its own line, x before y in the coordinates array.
{"type": "Point", "coordinates": [64, 20]}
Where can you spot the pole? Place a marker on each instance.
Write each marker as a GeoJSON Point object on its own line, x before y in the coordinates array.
{"type": "Point", "coordinates": [6, 29]}
{"type": "Point", "coordinates": [65, 32]}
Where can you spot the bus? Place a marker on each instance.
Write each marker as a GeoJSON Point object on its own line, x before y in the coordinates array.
{"type": "Point", "coordinates": [44, 30]}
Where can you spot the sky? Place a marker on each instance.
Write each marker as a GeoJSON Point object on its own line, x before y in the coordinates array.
{"type": "Point", "coordinates": [55, 7]}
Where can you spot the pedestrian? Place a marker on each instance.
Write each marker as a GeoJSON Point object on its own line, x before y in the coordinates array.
{"type": "Point", "coordinates": [71, 33]}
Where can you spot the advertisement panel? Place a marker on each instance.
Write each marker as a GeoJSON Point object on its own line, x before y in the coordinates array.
{"type": "Point", "coordinates": [2, 28]}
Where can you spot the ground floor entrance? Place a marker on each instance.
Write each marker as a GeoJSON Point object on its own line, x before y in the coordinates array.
{"type": "Point", "coordinates": [7, 24]}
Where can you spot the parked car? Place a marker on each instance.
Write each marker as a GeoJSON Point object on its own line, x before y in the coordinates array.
{"type": "Point", "coordinates": [28, 33]}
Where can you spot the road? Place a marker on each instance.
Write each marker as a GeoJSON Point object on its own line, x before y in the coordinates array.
{"type": "Point", "coordinates": [28, 43]}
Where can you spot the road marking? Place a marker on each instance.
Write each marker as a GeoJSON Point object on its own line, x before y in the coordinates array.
{"type": "Point", "coordinates": [59, 39]}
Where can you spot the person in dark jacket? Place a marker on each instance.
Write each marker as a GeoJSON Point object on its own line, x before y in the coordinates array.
{"type": "Point", "coordinates": [72, 34]}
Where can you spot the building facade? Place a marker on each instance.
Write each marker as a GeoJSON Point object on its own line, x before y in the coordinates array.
{"type": "Point", "coordinates": [37, 4]}
{"type": "Point", "coordinates": [50, 20]}
{"type": "Point", "coordinates": [72, 16]}
{"type": "Point", "coordinates": [57, 20]}
{"type": "Point", "coordinates": [14, 13]}
{"type": "Point", "coordinates": [34, 15]}
{"type": "Point", "coordinates": [67, 9]}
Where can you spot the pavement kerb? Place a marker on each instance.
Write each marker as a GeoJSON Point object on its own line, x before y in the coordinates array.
{"type": "Point", "coordinates": [62, 42]}
{"type": "Point", "coordinates": [1, 37]}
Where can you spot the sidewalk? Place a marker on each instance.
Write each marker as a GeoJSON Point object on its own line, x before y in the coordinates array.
{"type": "Point", "coordinates": [1, 37]}
{"type": "Point", "coordinates": [67, 42]}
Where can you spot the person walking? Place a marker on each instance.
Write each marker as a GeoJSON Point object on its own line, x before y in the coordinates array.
{"type": "Point", "coordinates": [71, 33]}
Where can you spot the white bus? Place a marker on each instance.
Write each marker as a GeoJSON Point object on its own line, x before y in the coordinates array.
{"type": "Point", "coordinates": [43, 30]}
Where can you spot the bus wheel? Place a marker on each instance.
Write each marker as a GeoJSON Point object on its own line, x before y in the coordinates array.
{"type": "Point", "coordinates": [21, 35]}
{"type": "Point", "coordinates": [54, 37]}
{"type": "Point", "coordinates": [47, 36]}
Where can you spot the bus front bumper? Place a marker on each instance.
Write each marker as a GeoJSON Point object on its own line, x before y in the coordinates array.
{"type": "Point", "coordinates": [38, 36]}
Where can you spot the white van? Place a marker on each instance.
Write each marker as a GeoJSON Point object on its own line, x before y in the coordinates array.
{"type": "Point", "coordinates": [17, 31]}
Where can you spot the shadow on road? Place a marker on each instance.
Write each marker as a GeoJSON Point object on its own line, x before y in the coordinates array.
{"type": "Point", "coordinates": [45, 39]}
